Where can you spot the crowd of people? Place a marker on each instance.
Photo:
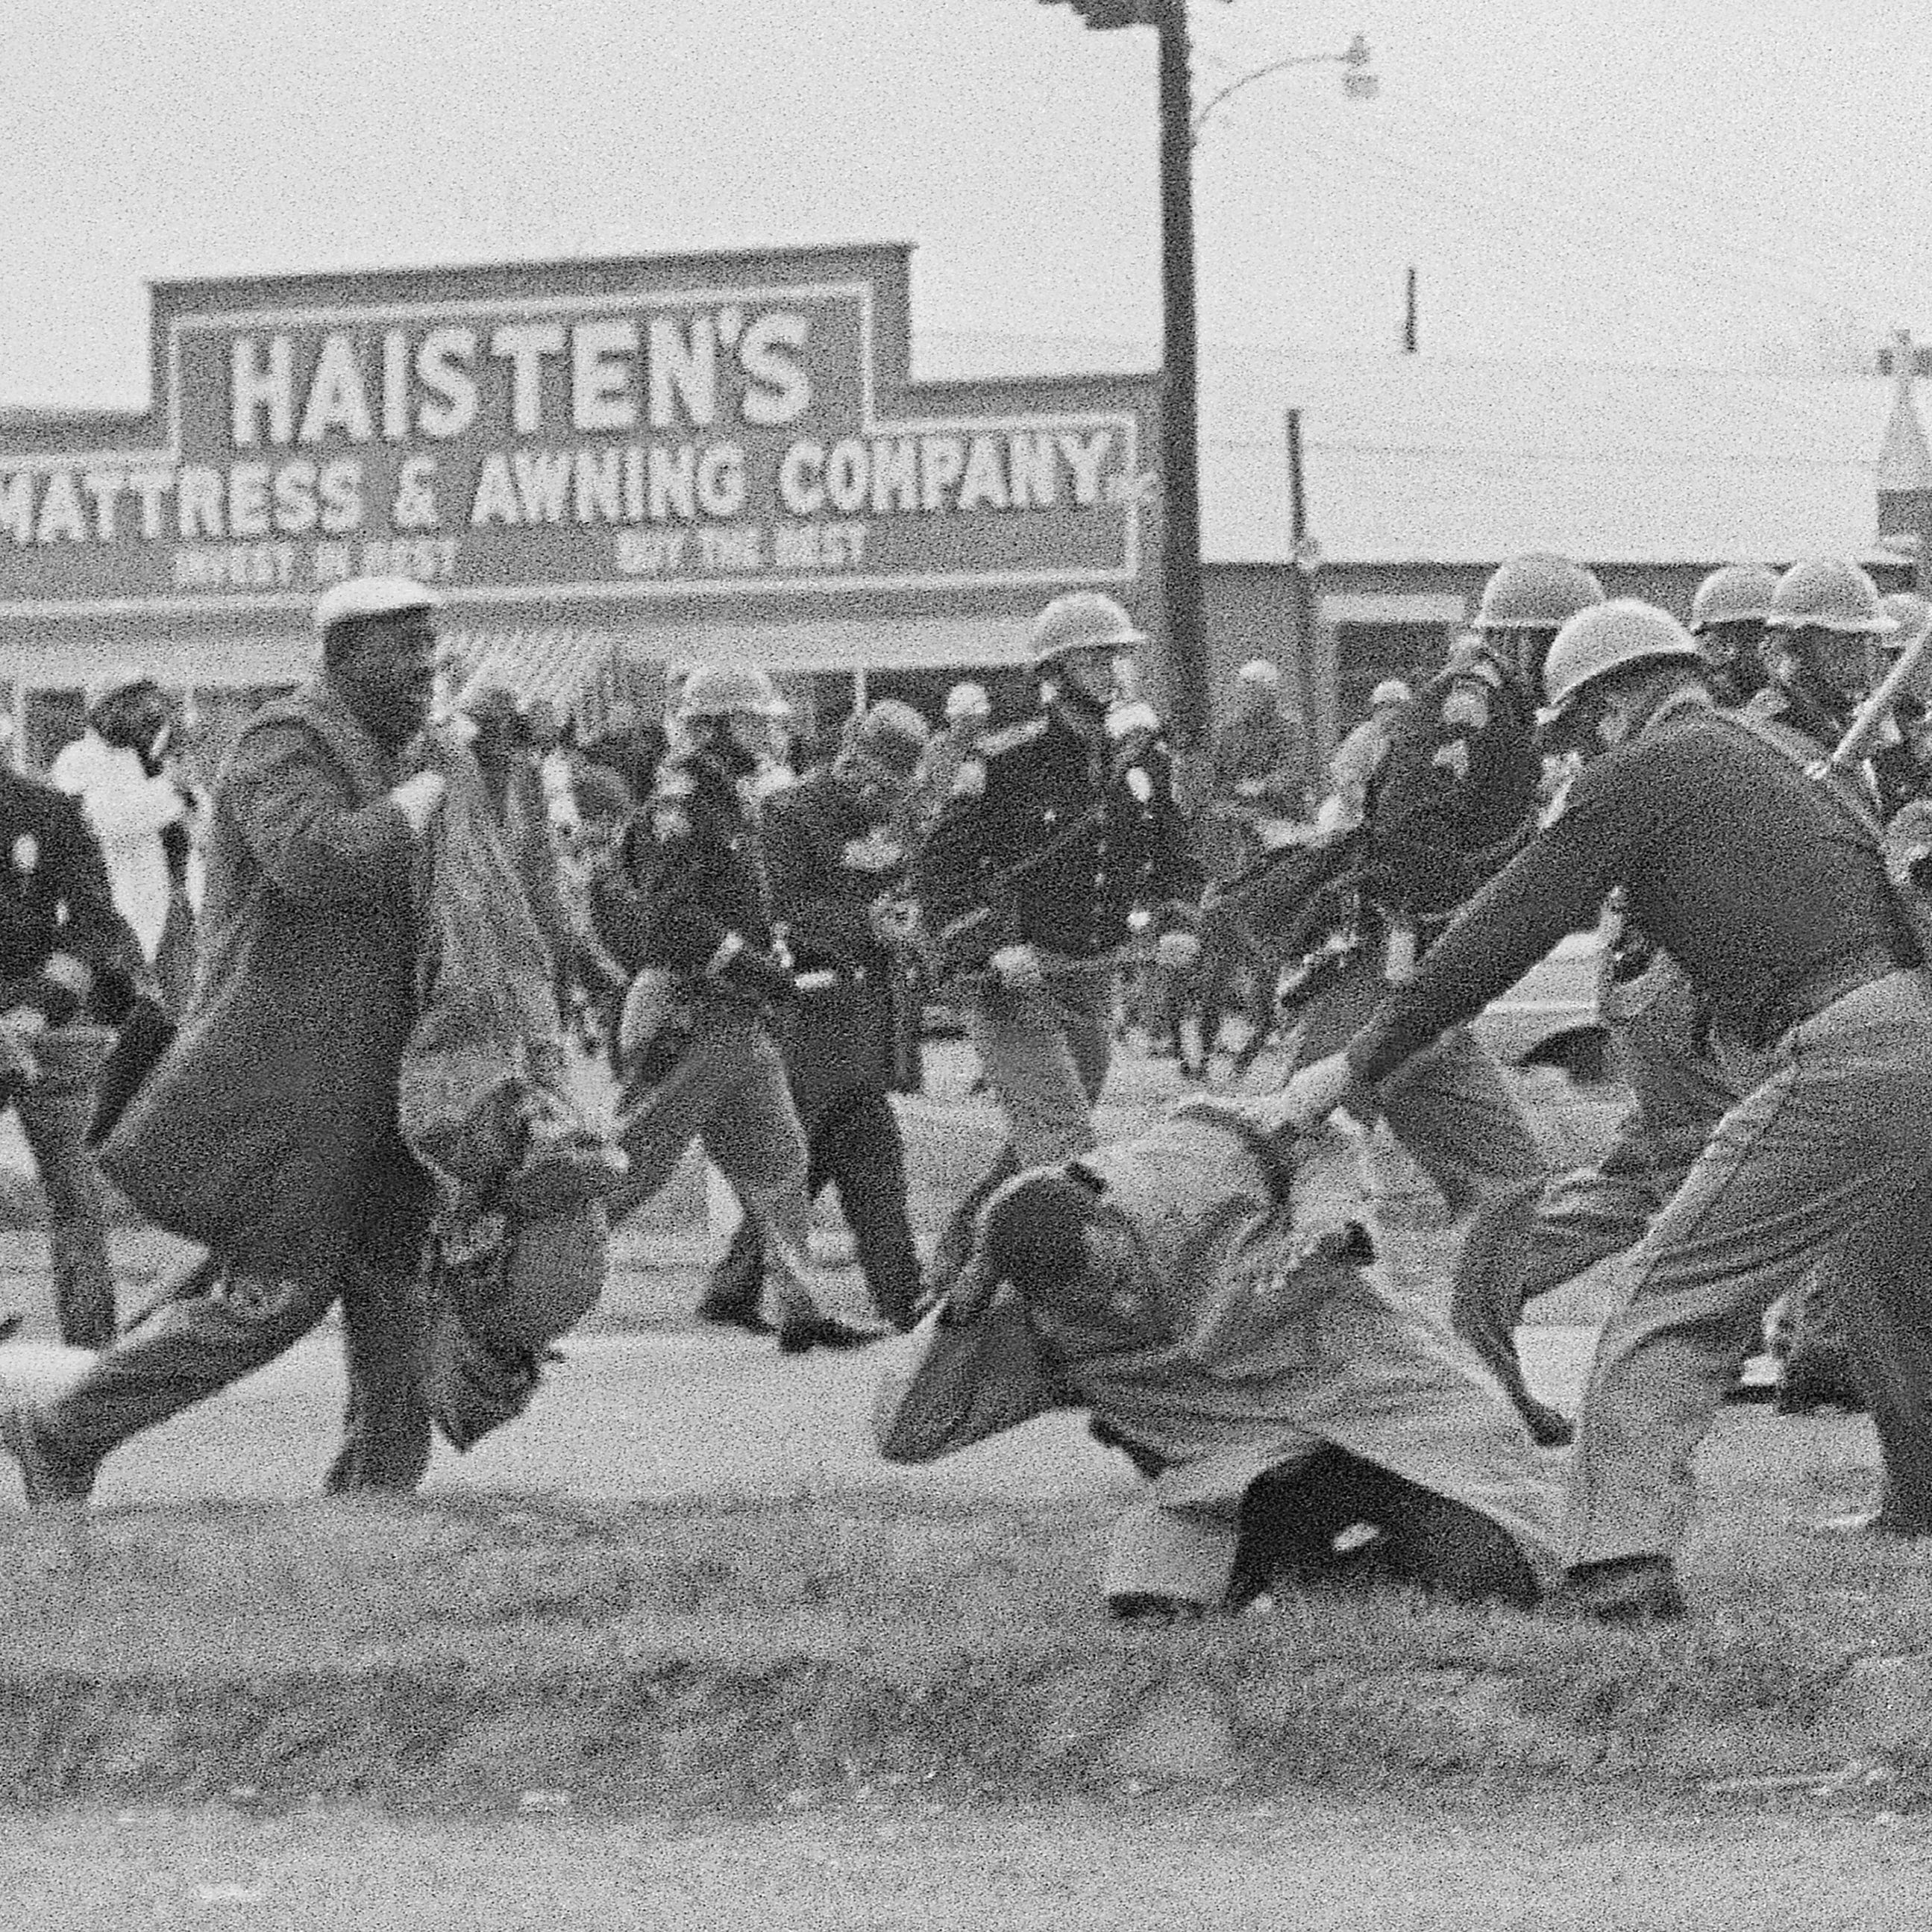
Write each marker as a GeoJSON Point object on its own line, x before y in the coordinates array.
{"type": "Point", "coordinates": [754, 945]}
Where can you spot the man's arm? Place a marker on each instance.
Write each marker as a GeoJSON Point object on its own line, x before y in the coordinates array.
{"type": "Point", "coordinates": [317, 844]}
{"type": "Point", "coordinates": [971, 1379]}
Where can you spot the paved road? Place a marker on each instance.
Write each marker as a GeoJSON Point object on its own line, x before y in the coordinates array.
{"type": "Point", "coordinates": [656, 1413]}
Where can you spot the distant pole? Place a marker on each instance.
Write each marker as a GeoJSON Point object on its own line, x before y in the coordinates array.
{"type": "Point", "coordinates": [1408, 319]}
{"type": "Point", "coordinates": [1181, 550]}
{"type": "Point", "coordinates": [1301, 576]}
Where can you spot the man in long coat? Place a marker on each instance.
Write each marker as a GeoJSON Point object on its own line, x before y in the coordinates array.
{"type": "Point", "coordinates": [269, 1133]}
{"type": "Point", "coordinates": [1205, 1291]}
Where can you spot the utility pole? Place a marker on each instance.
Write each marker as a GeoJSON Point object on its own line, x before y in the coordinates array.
{"type": "Point", "coordinates": [1188, 699]}
{"type": "Point", "coordinates": [1180, 415]}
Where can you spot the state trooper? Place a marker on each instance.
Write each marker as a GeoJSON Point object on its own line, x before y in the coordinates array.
{"type": "Point", "coordinates": [1730, 611]}
{"type": "Point", "coordinates": [1748, 872]}
{"type": "Point", "coordinates": [836, 852]}
{"type": "Point", "coordinates": [1658, 1042]}
{"type": "Point", "coordinates": [66, 963]}
{"type": "Point", "coordinates": [1454, 795]}
{"type": "Point", "coordinates": [686, 908]}
{"type": "Point", "coordinates": [1053, 836]}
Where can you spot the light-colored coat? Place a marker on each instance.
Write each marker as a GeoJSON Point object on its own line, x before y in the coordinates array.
{"type": "Point", "coordinates": [1244, 1338]}
{"type": "Point", "coordinates": [126, 809]}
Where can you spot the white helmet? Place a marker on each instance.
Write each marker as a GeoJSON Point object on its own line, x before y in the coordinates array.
{"type": "Point", "coordinates": [1260, 671]}
{"type": "Point", "coordinates": [1910, 612]}
{"type": "Point", "coordinates": [1391, 690]}
{"type": "Point", "coordinates": [967, 700]}
{"type": "Point", "coordinates": [1828, 593]}
{"type": "Point", "coordinates": [724, 691]}
{"type": "Point", "coordinates": [1604, 638]}
{"type": "Point", "coordinates": [1083, 620]}
{"type": "Point", "coordinates": [1734, 593]}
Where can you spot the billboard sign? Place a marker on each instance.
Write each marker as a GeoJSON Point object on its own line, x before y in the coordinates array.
{"type": "Point", "coordinates": [663, 431]}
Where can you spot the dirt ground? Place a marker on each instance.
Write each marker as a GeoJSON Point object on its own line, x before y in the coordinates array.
{"type": "Point", "coordinates": [1317, 1862]}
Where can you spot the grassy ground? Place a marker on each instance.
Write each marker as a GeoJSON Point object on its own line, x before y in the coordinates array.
{"type": "Point", "coordinates": [717, 1656]}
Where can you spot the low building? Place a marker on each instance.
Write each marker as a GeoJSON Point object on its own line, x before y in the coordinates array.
{"type": "Point", "coordinates": [614, 469]}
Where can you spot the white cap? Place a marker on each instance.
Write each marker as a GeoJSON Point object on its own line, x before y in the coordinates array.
{"type": "Point", "coordinates": [358, 597]}
{"type": "Point", "coordinates": [967, 700]}
{"type": "Point", "coordinates": [1259, 670]}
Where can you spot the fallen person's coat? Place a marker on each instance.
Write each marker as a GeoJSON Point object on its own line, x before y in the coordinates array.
{"type": "Point", "coordinates": [1251, 1330]}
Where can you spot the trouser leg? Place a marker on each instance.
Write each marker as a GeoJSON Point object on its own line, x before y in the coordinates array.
{"type": "Point", "coordinates": [55, 1110]}
{"type": "Point", "coordinates": [657, 1119]}
{"type": "Point", "coordinates": [185, 1350]}
{"type": "Point", "coordinates": [1454, 1112]}
{"type": "Point", "coordinates": [1882, 1282]}
{"type": "Point", "coordinates": [1046, 1052]}
{"type": "Point", "coordinates": [385, 1432]}
{"type": "Point", "coordinates": [753, 1135]}
{"type": "Point", "coordinates": [1825, 1146]}
{"type": "Point", "coordinates": [858, 1144]}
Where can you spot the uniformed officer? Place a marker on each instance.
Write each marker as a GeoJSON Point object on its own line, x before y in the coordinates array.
{"type": "Point", "coordinates": [1052, 838]}
{"type": "Point", "coordinates": [1456, 794]}
{"type": "Point", "coordinates": [687, 908]}
{"type": "Point", "coordinates": [65, 961]}
{"type": "Point", "coordinates": [1781, 914]}
{"type": "Point", "coordinates": [1729, 612]}
{"type": "Point", "coordinates": [1658, 1043]}
{"type": "Point", "coordinates": [835, 849]}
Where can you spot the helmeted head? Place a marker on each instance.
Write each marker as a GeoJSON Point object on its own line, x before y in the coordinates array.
{"type": "Point", "coordinates": [1601, 655]}
{"type": "Point", "coordinates": [1526, 601]}
{"type": "Point", "coordinates": [1258, 686]}
{"type": "Point", "coordinates": [1391, 694]}
{"type": "Point", "coordinates": [1910, 612]}
{"type": "Point", "coordinates": [881, 754]}
{"type": "Point", "coordinates": [1728, 611]}
{"type": "Point", "coordinates": [1826, 626]}
{"type": "Point", "coordinates": [379, 648]}
{"type": "Point", "coordinates": [733, 711]}
{"type": "Point", "coordinates": [1076, 641]}
{"type": "Point", "coordinates": [967, 701]}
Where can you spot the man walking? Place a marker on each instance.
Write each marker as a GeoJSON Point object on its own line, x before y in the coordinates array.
{"type": "Point", "coordinates": [66, 965]}
{"type": "Point", "coordinates": [835, 848]}
{"type": "Point", "coordinates": [269, 1133]}
{"type": "Point", "coordinates": [1050, 839]}
{"type": "Point", "coordinates": [1455, 795]}
{"type": "Point", "coordinates": [687, 910]}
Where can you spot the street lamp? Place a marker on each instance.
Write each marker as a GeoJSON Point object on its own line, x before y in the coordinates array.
{"type": "Point", "coordinates": [1179, 127]}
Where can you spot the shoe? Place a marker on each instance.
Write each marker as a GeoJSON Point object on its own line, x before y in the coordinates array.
{"type": "Point", "coordinates": [1146, 1607]}
{"type": "Point", "coordinates": [1873, 1523]}
{"type": "Point", "coordinates": [799, 1334]}
{"type": "Point", "coordinates": [734, 1315]}
{"type": "Point", "coordinates": [1621, 1590]}
{"type": "Point", "coordinates": [50, 1477]}
{"type": "Point", "coordinates": [1548, 1430]}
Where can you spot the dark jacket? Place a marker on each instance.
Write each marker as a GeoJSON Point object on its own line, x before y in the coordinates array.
{"type": "Point", "coordinates": [63, 947]}
{"type": "Point", "coordinates": [269, 1131]}
{"type": "Point", "coordinates": [1057, 840]}
{"type": "Point", "coordinates": [1455, 794]}
{"type": "Point", "coordinates": [839, 1040]}
{"type": "Point", "coordinates": [688, 873]}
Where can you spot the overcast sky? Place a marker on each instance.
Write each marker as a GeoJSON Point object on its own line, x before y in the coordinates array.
{"type": "Point", "coordinates": [1649, 180]}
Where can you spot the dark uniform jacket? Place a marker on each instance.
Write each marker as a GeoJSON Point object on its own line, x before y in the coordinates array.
{"type": "Point", "coordinates": [1733, 859]}
{"type": "Point", "coordinates": [687, 875]}
{"type": "Point", "coordinates": [63, 947]}
{"type": "Point", "coordinates": [1455, 792]}
{"type": "Point", "coordinates": [1055, 842]}
{"type": "Point", "coordinates": [841, 1039]}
